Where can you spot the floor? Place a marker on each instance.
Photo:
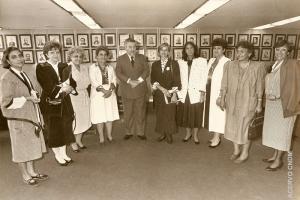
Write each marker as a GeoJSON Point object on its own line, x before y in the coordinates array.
{"type": "Point", "coordinates": [148, 170]}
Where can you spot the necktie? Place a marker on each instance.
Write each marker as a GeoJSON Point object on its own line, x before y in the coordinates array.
{"type": "Point", "coordinates": [26, 81]}
{"type": "Point", "coordinates": [132, 61]}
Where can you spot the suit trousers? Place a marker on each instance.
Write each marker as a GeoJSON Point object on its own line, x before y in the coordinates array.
{"type": "Point", "coordinates": [135, 115]}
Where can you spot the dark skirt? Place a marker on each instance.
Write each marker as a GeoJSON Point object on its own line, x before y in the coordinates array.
{"type": "Point", "coordinates": [189, 115]}
{"type": "Point", "coordinates": [166, 118]}
{"type": "Point", "coordinates": [207, 103]}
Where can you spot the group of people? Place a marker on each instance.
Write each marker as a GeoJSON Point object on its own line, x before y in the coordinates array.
{"type": "Point", "coordinates": [221, 95]}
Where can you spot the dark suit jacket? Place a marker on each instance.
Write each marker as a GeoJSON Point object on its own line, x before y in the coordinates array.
{"type": "Point", "coordinates": [125, 70]}
{"type": "Point", "coordinates": [167, 79]}
{"type": "Point", "coordinates": [290, 87]}
{"type": "Point", "coordinates": [49, 82]}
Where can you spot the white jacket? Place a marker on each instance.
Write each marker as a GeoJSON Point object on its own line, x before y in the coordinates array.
{"type": "Point", "coordinates": [196, 82]}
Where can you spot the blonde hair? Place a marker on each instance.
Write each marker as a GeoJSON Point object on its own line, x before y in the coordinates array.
{"type": "Point", "coordinates": [73, 50]}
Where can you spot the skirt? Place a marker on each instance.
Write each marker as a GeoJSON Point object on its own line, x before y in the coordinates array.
{"type": "Point", "coordinates": [190, 115]}
{"type": "Point", "coordinates": [166, 119]}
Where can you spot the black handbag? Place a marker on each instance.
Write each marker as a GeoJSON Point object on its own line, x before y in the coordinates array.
{"type": "Point", "coordinates": [256, 126]}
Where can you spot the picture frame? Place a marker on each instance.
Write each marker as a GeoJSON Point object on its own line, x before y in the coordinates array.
{"type": "Point", "coordinates": [54, 37]}
{"type": "Point", "coordinates": [11, 41]}
{"type": "Point", "coordinates": [110, 39]}
{"type": "Point", "coordinates": [25, 41]}
{"type": "Point", "coordinates": [68, 40]}
{"type": "Point", "coordinates": [256, 55]}
{"type": "Point", "coordinates": [40, 57]}
{"type": "Point", "coordinates": [255, 39]}
{"type": "Point", "coordinates": [243, 37]}
{"type": "Point", "coordinates": [292, 54]}
{"type": "Point", "coordinates": [1, 56]}
{"type": "Point", "coordinates": [83, 40]}
{"type": "Point", "coordinates": [94, 57]}
{"type": "Point", "coordinates": [96, 39]}
{"type": "Point", "coordinates": [28, 56]}
{"type": "Point", "coordinates": [141, 51]}
{"type": "Point", "coordinates": [178, 40]}
{"type": "Point", "coordinates": [205, 40]}
{"type": "Point", "coordinates": [165, 38]}
{"type": "Point", "coordinates": [151, 40]}
{"type": "Point", "coordinates": [112, 56]}
{"type": "Point", "coordinates": [191, 37]}
{"type": "Point", "coordinates": [1, 42]}
{"type": "Point", "coordinates": [266, 54]}
{"type": "Point", "coordinates": [86, 56]}
{"type": "Point", "coordinates": [292, 39]}
{"type": "Point", "coordinates": [230, 53]}
{"type": "Point", "coordinates": [177, 53]}
{"type": "Point", "coordinates": [121, 52]}
{"type": "Point", "coordinates": [267, 40]}
{"type": "Point", "coordinates": [230, 38]}
{"type": "Point", "coordinates": [204, 53]}
{"type": "Point", "coordinates": [215, 36]}
{"type": "Point", "coordinates": [122, 38]}
{"type": "Point", "coordinates": [40, 40]}
{"type": "Point", "coordinates": [151, 54]}
{"type": "Point", "coordinates": [279, 37]}
{"type": "Point", "coordinates": [139, 38]}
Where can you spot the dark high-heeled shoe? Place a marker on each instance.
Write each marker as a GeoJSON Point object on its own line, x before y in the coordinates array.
{"type": "Point", "coordinates": [186, 139]}
{"type": "Point", "coordinates": [61, 164]}
{"type": "Point", "coordinates": [272, 169]}
{"type": "Point", "coordinates": [69, 161]}
{"type": "Point", "coordinates": [83, 147]}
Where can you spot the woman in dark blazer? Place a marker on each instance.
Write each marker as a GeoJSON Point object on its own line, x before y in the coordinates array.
{"type": "Point", "coordinates": [55, 102]}
{"type": "Point", "coordinates": [165, 78]}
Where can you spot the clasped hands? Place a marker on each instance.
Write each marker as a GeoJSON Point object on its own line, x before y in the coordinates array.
{"type": "Point", "coordinates": [134, 83]}
{"type": "Point", "coordinates": [34, 97]}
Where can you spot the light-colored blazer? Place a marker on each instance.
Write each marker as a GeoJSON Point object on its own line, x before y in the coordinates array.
{"type": "Point", "coordinates": [96, 76]}
{"type": "Point", "coordinates": [196, 82]}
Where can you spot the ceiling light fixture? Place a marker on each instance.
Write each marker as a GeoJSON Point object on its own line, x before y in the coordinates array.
{"type": "Point", "coordinates": [74, 9]}
{"type": "Point", "coordinates": [206, 8]}
{"type": "Point", "coordinates": [279, 23]}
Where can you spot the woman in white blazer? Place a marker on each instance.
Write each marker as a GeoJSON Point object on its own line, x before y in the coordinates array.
{"type": "Point", "coordinates": [104, 107]}
{"type": "Point", "coordinates": [193, 74]}
{"type": "Point", "coordinates": [214, 119]}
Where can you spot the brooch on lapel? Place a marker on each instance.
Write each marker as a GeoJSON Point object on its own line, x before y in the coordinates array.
{"type": "Point", "coordinates": [167, 68]}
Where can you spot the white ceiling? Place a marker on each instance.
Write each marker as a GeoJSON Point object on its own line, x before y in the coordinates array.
{"type": "Point", "coordinates": [237, 14]}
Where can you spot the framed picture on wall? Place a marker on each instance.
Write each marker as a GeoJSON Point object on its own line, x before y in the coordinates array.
{"type": "Point", "coordinates": [83, 40]}
{"type": "Point", "coordinates": [191, 37]}
{"type": "Point", "coordinates": [165, 38]}
{"type": "Point", "coordinates": [40, 57]}
{"type": "Point", "coordinates": [28, 56]}
{"type": "Point", "coordinates": [205, 40]}
{"type": "Point", "coordinates": [96, 39]}
{"type": "Point", "coordinates": [243, 37]}
{"type": "Point", "coordinates": [121, 52]}
{"type": "Point", "coordinates": [1, 42]}
{"type": "Point", "coordinates": [140, 51]}
{"type": "Point", "coordinates": [215, 36]}
{"type": "Point", "coordinates": [292, 54]}
{"type": "Point", "coordinates": [25, 41]}
{"type": "Point", "coordinates": [110, 39]}
{"type": "Point", "coordinates": [266, 54]}
{"type": "Point", "coordinates": [68, 40]}
{"type": "Point", "coordinates": [1, 56]}
{"type": "Point", "coordinates": [256, 54]}
{"type": "Point", "coordinates": [267, 40]}
{"type": "Point", "coordinates": [39, 41]}
{"type": "Point", "coordinates": [230, 53]}
{"type": "Point", "coordinates": [54, 37]}
{"type": "Point", "coordinates": [151, 54]}
{"type": "Point", "coordinates": [204, 53]}
{"type": "Point", "coordinates": [11, 41]}
{"type": "Point", "coordinates": [139, 38]}
{"type": "Point", "coordinates": [151, 40]}
{"type": "Point", "coordinates": [94, 57]}
{"type": "Point", "coordinates": [122, 38]}
{"type": "Point", "coordinates": [86, 56]}
{"type": "Point", "coordinates": [230, 38]}
{"type": "Point", "coordinates": [279, 37]}
{"type": "Point", "coordinates": [178, 40]}
{"type": "Point", "coordinates": [255, 39]}
{"type": "Point", "coordinates": [112, 56]}
{"type": "Point", "coordinates": [177, 53]}
{"type": "Point", "coordinates": [292, 39]}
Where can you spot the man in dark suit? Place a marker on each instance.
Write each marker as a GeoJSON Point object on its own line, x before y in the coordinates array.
{"type": "Point", "coordinates": [132, 70]}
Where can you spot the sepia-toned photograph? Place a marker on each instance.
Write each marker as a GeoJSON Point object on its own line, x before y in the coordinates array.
{"type": "Point", "coordinates": [178, 40]}
{"type": "Point", "coordinates": [255, 39]}
{"type": "Point", "coordinates": [177, 54]}
{"type": "Point", "coordinates": [204, 40]}
{"type": "Point", "coordinates": [28, 56]}
{"type": "Point", "coordinates": [86, 56]}
{"type": "Point", "coordinates": [54, 37]}
{"type": "Point", "coordinates": [165, 38]}
{"type": "Point", "coordinates": [11, 41]}
{"type": "Point", "coordinates": [151, 40]}
{"type": "Point", "coordinates": [122, 38]}
{"type": "Point", "coordinates": [230, 38]}
{"type": "Point", "coordinates": [266, 54]}
{"type": "Point", "coordinates": [40, 57]}
{"type": "Point", "coordinates": [39, 40]}
{"type": "Point", "coordinates": [292, 39]}
{"type": "Point", "coordinates": [191, 37]}
{"type": "Point", "coordinates": [230, 53]}
{"type": "Point", "coordinates": [83, 40]}
{"type": "Point", "coordinates": [1, 42]}
{"type": "Point", "coordinates": [256, 54]}
{"type": "Point", "coordinates": [204, 53]}
{"type": "Point", "coordinates": [267, 40]}
{"type": "Point", "coordinates": [139, 38]}
{"type": "Point", "coordinates": [112, 56]}
{"type": "Point", "coordinates": [26, 41]}
{"type": "Point", "coordinates": [151, 54]}
{"type": "Point", "coordinates": [243, 37]}
{"type": "Point", "coordinates": [96, 39]}
{"type": "Point", "coordinates": [215, 36]}
{"type": "Point", "coordinates": [110, 39]}
{"type": "Point", "coordinates": [279, 37]}
{"type": "Point", "coordinates": [68, 40]}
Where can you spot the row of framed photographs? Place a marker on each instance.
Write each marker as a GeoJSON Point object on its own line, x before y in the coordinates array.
{"type": "Point", "coordinates": [95, 39]}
